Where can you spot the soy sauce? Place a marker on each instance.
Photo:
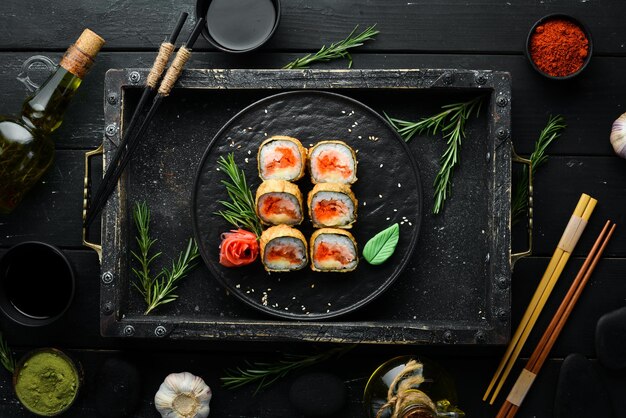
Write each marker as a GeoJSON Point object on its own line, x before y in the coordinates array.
{"type": "Point", "coordinates": [240, 25]}
{"type": "Point", "coordinates": [37, 281]}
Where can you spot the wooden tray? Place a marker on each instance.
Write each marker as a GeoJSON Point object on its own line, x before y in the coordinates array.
{"type": "Point", "coordinates": [455, 289]}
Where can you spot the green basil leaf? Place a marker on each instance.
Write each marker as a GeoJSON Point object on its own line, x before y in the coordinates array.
{"type": "Point", "coordinates": [382, 245]}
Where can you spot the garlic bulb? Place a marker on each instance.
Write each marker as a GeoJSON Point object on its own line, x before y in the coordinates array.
{"type": "Point", "coordinates": [618, 136]}
{"type": "Point", "coordinates": [183, 395]}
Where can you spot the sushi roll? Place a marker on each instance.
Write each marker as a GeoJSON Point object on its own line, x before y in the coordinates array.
{"type": "Point", "coordinates": [332, 162]}
{"type": "Point", "coordinates": [283, 248]}
{"type": "Point", "coordinates": [281, 158]}
{"type": "Point", "coordinates": [279, 202]}
{"type": "Point", "coordinates": [333, 250]}
{"type": "Point", "coordinates": [332, 205]}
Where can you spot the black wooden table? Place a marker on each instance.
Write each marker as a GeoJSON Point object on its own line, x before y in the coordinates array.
{"type": "Point", "coordinates": [437, 34]}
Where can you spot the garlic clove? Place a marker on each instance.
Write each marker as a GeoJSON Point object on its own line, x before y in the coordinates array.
{"type": "Point", "coordinates": [618, 136]}
{"type": "Point", "coordinates": [183, 395]}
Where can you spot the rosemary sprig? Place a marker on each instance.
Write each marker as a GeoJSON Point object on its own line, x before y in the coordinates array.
{"type": "Point", "coordinates": [451, 122]}
{"type": "Point", "coordinates": [264, 374]}
{"type": "Point", "coordinates": [6, 355]}
{"type": "Point", "coordinates": [240, 210]}
{"type": "Point", "coordinates": [157, 290]}
{"type": "Point", "coordinates": [336, 49]}
{"type": "Point", "coordinates": [519, 200]}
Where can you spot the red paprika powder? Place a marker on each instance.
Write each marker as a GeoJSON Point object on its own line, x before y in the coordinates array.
{"type": "Point", "coordinates": [559, 47]}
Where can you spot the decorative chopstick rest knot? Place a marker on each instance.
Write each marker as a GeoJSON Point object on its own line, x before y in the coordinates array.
{"type": "Point", "coordinates": [160, 62]}
{"type": "Point", "coordinates": [174, 71]}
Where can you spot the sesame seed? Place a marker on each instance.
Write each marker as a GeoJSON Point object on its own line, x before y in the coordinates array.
{"type": "Point", "coordinates": [249, 152]}
{"type": "Point", "coordinates": [265, 110]}
{"type": "Point", "coordinates": [237, 286]}
{"type": "Point", "coordinates": [286, 308]}
{"type": "Point", "coordinates": [364, 203]}
{"type": "Point", "coordinates": [410, 224]}
{"type": "Point", "coordinates": [343, 111]}
{"type": "Point", "coordinates": [327, 310]}
{"type": "Point", "coordinates": [349, 130]}
{"type": "Point", "coordinates": [293, 298]}
{"type": "Point", "coordinates": [359, 137]}
{"type": "Point", "coordinates": [402, 223]}
{"type": "Point", "coordinates": [264, 133]}
{"type": "Point", "coordinates": [313, 286]}
{"type": "Point", "coordinates": [246, 160]}
{"type": "Point", "coordinates": [380, 195]}
{"type": "Point", "coordinates": [217, 169]}
{"type": "Point", "coordinates": [328, 303]}
{"type": "Point", "coordinates": [388, 218]}
{"type": "Point", "coordinates": [381, 166]}
{"type": "Point", "coordinates": [356, 123]}
{"type": "Point", "coordinates": [399, 185]}
{"type": "Point", "coordinates": [395, 210]}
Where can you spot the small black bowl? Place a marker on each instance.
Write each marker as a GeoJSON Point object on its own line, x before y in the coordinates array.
{"type": "Point", "coordinates": [261, 20]}
{"type": "Point", "coordinates": [574, 21]}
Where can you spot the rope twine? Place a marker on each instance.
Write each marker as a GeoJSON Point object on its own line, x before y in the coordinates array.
{"type": "Point", "coordinates": [174, 71]}
{"type": "Point", "coordinates": [402, 390]}
{"type": "Point", "coordinates": [160, 62]}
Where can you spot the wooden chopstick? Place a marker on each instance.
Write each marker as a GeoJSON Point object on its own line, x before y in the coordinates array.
{"type": "Point", "coordinates": [160, 62]}
{"type": "Point", "coordinates": [568, 241]}
{"type": "Point", "coordinates": [541, 352]}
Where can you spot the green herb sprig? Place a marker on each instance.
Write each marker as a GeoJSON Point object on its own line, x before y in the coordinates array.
{"type": "Point", "coordinates": [336, 49]}
{"type": "Point", "coordinates": [552, 131]}
{"type": "Point", "coordinates": [451, 122]}
{"type": "Point", "coordinates": [240, 210]}
{"type": "Point", "coordinates": [157, 290]}
{"type": "Point", "coordinates": [6, 355]}
{"type": "Point", "coordinates": [264, 374]}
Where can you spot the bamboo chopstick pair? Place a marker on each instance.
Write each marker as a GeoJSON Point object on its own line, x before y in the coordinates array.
{"type": "Point", "coordinates": [539, 356]}
{"type": "Point", "coordinates": [131, 139]}
{"type": "Point", "coordinates": [573, 231]}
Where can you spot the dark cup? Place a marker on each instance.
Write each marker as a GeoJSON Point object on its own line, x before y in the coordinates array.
{"type": "Point", "coordinates": [238, 25]}
{"type": "Point", "coordinates": [36, 283]}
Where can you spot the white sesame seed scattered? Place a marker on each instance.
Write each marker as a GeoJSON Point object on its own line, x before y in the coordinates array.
{"type": "Point", "coordinates": [217, 169]}
{"type": "Point", "coordinates": [247, 291]}
{"type": "Point", "coordinates": [249, 152]}
{"type": "Point", "coordinates": [381, 166]}
{"type": "Point", "coordinates": [237, 286]}
{"type": "Point", "coordinates": [349, 130]}
{"type": "Point", "coordinates": [327, 310]}
{"type": "Point", "coordinates": [264, 133]}
{"type": "Point", "coordinates": [395, 210]}
{"type": "Point", "coordinates": [364, 203]}
{"type": "Point", "coordinates": [286, 308]}
{"type": "Point", "coordinates": [356, 123]}
{"type": "Point", "coordinates": [388, 218]}
{"type": "Point", "coordinates": [246, 160]}
{"type": "Point", "coordinates": [328, 303]}
{"type": "Point", "coordinates": [343, 111]}
{"type": "Point", "coordinates": [356, 152]}
{"type": "Point", "coordinates": [313, 286]}
{"type": "Point", "coordinates": [293, 298]}
{"type": "Point", "coordinates": [238, 146]}
{"type": "Point", "coordinates": [265, 110]}
{"type": "Point", "coordinates": [359, 137]}
{"type": "Point", "coordinates": [399, 185]}
{"type": "Point", "coordinates": [380, 195]}
{"type": "Point", "coordinates": [414, 317]}
{"type": "Point", "coordinates": [410, 224]}
{"type": "Point", "coordinates": [402, 223]}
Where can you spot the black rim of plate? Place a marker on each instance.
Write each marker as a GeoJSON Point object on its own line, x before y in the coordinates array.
{"type": "Point", "coordinates": [332, 313]}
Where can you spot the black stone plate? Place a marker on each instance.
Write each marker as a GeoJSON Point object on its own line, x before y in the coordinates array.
{"type": "Point", "coordinates": [388, 190]}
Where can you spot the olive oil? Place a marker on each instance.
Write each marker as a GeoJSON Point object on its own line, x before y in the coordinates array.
{"type": "Point", "coordinates": [26, 149]}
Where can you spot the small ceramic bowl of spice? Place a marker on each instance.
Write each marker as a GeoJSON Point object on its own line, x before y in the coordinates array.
{"type": "Point", "coordinates": [559, 46]}
{"type": "Point", "coordinates": [46, 382]}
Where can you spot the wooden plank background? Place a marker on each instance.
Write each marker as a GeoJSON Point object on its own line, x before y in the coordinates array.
{"type": "Point", "coordinates": [486, 34]}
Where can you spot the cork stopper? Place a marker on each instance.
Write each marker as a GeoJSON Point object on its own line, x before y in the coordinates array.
{"type": "Point", "coordinates": [79, 57]}
{"type": "Point", "coordinates": [89, 42]}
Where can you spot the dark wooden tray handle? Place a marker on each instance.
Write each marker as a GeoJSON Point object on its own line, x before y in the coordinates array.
{"type": "Point", "coordinates": [516, 256]}
{"type": "Point", "coordinates": [86, 188]}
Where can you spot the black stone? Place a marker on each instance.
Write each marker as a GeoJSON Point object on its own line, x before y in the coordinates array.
{"type": "Point", "coordinates": [318, 394]}
{"type": "Point", "coordinates": [118, 389]}
{"type": "Point", "coordinates": [580, 393]}
{"type": "Point", "coordinates": [611, 339]}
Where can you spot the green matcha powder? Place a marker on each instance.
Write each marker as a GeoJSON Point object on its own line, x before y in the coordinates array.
{"type": "Point", "coordinates": [47, 383]}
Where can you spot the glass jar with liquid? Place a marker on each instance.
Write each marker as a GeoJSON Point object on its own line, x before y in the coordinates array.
{"type": "Point", "coordinates": [410, 387]}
